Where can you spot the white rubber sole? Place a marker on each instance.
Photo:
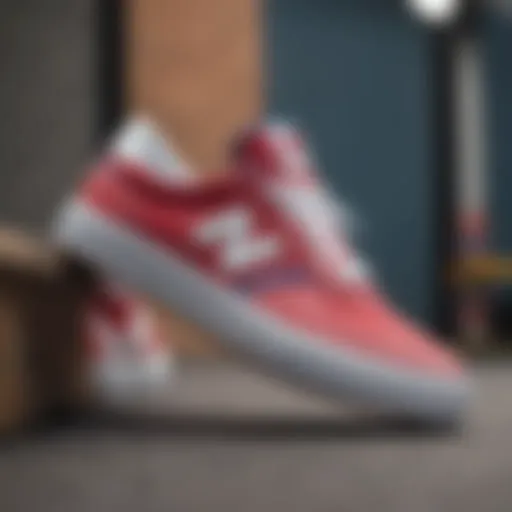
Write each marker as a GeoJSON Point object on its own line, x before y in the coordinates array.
{"type": "Point", "coordinates": [290, 354]}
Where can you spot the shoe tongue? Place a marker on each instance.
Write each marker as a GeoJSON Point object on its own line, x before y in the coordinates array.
{"type": "Point", "coordinates": [140, 141]}
{"type": "Point", "coordinates": [276, 152]}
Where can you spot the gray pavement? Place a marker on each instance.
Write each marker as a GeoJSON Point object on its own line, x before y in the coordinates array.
{"type": "Point", "coordinates": [225, 440]}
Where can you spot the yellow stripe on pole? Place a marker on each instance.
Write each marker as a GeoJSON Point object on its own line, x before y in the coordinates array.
{"type": "Point", "coordinates": [484, 270]}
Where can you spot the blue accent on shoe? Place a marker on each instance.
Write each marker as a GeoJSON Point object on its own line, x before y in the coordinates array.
{"type": "Point", "coordinates": [270, 279]}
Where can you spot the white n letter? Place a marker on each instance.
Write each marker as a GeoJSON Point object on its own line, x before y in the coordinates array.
{"type": "Point", "coordinates": [239, 246]}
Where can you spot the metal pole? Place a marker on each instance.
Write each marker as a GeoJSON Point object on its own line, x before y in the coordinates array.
{"type": "Point", "coordinates": [470, 165]}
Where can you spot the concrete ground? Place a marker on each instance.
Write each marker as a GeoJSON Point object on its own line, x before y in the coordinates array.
{"type": "Point", "coordinates": [226, 441]}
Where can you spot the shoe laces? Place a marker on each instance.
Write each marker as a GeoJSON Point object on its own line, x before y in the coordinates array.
{"type": "Point", "coordinates": [327, 226]}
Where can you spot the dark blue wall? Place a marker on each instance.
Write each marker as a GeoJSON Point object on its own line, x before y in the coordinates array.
{"type": "Point", "coordinates": [499, 66]}
{"type": "Point", "coordinates": [356, 75]}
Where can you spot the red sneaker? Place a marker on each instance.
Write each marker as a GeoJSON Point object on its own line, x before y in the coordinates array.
{"type": "Point", "coordinates": [257, 259]}
{"type": "Point", "coordinates": [127, 357]}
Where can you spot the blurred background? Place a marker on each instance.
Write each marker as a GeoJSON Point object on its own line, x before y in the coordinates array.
{"type": "Point", "coordinates": [409, 106]}
{"type": "Point", "coordinates": [374, 85]}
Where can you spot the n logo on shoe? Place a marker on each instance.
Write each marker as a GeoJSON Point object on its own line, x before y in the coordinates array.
{"type": "Point", "coordinates": [234, 233]}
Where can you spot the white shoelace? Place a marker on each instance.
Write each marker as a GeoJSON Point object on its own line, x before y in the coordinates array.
{"type": "Point", "coordinates": [328, 226]}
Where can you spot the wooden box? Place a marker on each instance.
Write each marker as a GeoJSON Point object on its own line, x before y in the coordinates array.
{"type": "Point", "coordinates": [42, 295]}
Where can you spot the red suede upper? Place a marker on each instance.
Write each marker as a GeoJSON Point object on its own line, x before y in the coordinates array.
{"type": "Point", "coordinates": [168, 215]}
